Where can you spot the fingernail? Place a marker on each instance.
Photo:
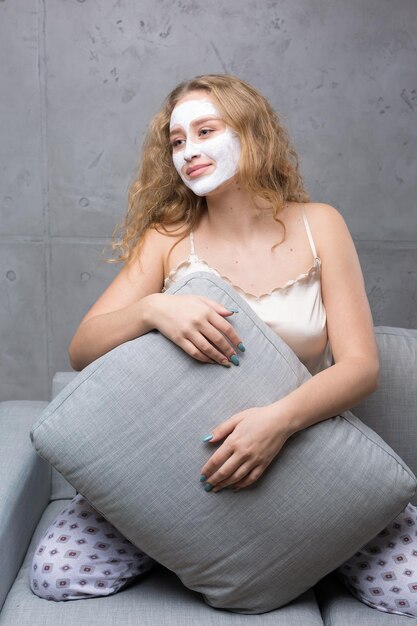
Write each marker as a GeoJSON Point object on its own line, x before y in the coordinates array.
{"type": "Point", "coordinates": [234, 359]}
{"type": "Point", "coordinates": [226, 364]}
{"type": "Point", "coordinates": [208, 437]}
{"type": "Point", "coordinates": [208, 487]}
{"type": "Point", "coordinates": [203, 478]}
{"type": "Point", "coordinates": [232, 310]}
{"type": "Point", "coordinates": [241, 347]}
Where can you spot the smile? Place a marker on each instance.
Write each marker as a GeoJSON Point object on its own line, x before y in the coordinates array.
{"type": "Point", "coordinates": [196, 170]}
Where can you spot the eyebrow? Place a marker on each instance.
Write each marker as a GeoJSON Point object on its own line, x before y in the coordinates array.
{"type": "Point", "coordinates": [199, 120]}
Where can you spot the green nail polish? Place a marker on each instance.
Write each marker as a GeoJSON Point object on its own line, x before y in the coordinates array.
{"type": "Point", "coordinates": [207, 437]}
{"type": "Point", "coordinates": [232, 310]}
{"type": "Point", "coordinates": [208, 487]}
{"type": "Point", "coordinates": [241, 347]}
{"type": "Point", "coordinates": [234, 359]}
{"type": "Point", "coordinates": [202, 478]}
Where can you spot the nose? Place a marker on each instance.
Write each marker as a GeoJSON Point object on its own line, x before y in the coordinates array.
{"type": "Point", "coordinates": [191, 150]}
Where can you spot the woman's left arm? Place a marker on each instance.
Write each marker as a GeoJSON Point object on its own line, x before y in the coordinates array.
{"type": "Point", "coordinates": [251, 444]}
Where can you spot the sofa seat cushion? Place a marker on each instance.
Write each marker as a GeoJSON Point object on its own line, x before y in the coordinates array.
{"type": "Point", "coordinates": [127, 433]}
{"type": "Point", "coordinates": [156, 599]}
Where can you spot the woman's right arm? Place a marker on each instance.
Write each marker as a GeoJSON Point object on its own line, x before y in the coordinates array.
{"type": "Point", "coordinates": [120, 313]}
{"type": "Point", "coordinates": [133, 304]}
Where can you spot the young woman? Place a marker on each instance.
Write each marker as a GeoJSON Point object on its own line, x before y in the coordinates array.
{"type": "Point", "coordinates": [219, 190]}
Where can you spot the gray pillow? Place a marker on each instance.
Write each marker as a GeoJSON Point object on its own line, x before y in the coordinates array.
{"type": "Point", "coordinates": [127, 434]}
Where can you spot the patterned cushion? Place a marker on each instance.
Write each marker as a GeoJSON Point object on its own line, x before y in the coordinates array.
{"type": "Point", "coordinates": [127, 433]}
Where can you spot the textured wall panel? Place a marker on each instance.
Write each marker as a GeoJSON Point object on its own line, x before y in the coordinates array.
{"type": "Point", "coordinates": [23, 332]}
{"type": "Point", "coordinates": [20, 120]}
{"type": "Point", "coordinates": [78, 277]}
{"type": "Point", "coordinates": [354, 85]}
{"type": "Point", "coordinates": [342, 74]}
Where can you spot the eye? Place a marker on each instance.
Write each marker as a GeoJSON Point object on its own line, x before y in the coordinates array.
{"type": "Point", "coordinates": [205, 131]}
{"type": "Point", "coordinates": [176, 142]}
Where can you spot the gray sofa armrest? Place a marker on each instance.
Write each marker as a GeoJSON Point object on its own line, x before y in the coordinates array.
{"type": "Point", "coordinates": [25, 483]}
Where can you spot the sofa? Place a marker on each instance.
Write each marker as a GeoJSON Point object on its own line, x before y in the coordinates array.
{"type": "Point", "coordinates": [32, 494]}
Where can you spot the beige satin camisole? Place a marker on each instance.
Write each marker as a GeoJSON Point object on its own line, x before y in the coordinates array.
{"type": "Point", "coordinates": [295, 311]}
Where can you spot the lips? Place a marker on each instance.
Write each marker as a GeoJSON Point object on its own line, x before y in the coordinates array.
{"type": "Point", "coordinates": [195, 170]}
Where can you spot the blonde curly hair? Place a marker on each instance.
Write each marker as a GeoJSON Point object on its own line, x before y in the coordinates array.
{"type": "Point", "coordinates": [268, 168]}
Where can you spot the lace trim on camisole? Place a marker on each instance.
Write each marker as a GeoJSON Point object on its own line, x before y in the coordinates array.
{"type": "Point", "coordinates": [194, 258]}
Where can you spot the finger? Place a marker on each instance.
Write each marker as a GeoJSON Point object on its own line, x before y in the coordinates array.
{"type": "Point", "coordinates": [224, 472]}
{"type": "Point", "coordinates": [220, 457]}
{"type": "Point", "coordinates": [252, 477]}
{"type": "Point", "coordinates": [217, 340]}
{"type": "Point", "coordinates": [191, 349]}
{"type": "Point", "coordinates": [219, 322]}
{"type": "Point", "coordinates": [211, 352]}
{"type": "Point", "coordinates": [237, 476]}
{"type": "Point", "coordinates": [227, 329]}
{"type": "Point", "coordinates": [225, 428]}
{"type": "Point", "coordinates": [220, 308]}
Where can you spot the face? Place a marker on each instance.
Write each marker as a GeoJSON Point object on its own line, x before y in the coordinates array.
{"type": "Point", "coordinates": [205, 151]}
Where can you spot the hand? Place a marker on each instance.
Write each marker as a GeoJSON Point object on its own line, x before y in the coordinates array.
{"type": "Point", "coordinates": [253, 439]}
{"type": "Point", "coordinates": [197, 325]}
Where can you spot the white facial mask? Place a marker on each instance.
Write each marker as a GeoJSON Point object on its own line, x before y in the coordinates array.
{"type": "Point", "coordinates": [223, 149]}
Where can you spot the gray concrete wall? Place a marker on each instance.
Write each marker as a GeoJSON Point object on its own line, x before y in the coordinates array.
{"type": "Point", "coordinates": [80, 80]}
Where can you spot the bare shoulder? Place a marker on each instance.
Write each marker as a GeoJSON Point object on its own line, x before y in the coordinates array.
{"type": "Point", "coordinates": [324, 214]}
{"type": "Point", "coordinates": [166, 236]}
{"type": "Point", "coordinates": [161, 233]}
{"type": "Point", "coordinates": [160, 237]}
{"type": "Point", "coordinates": [328, 227]}
{"type": "Point", "coordinates": [168, 232]}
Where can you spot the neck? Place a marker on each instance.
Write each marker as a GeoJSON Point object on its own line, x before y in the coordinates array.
{"type": "Point", "coordinates": [233, 215]}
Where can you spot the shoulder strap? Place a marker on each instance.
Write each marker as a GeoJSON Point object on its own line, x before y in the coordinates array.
{"type": "Point", "coordinates": [192, 251]}
{"type": "Point", "coordinates": [310, 236]}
